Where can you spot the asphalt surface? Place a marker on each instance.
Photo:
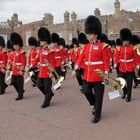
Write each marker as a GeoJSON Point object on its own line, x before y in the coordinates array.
{"type": "Point", "coordinates": [68, 117]}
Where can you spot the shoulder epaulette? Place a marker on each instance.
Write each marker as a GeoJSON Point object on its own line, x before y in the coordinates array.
{"type": "Point", "coordinates": [105, 45]}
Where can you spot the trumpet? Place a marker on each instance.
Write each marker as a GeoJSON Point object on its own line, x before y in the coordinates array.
{"type": "Point", "coordinates": [117, 84]}
{"type": "Point", "coordinates": [138, 49]}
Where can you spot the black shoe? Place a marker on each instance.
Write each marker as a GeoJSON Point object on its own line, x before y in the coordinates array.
{"type": "Point", "coordinates": [47, 100]}
{"type": "Point", "coordinates": [135, 86]}
{"type": "Point", "coordinates": [3, 91]}
{"type": "Point", "coordinates": [95, 120]}
{"type": "Point", "coordinates": [128, 100]}
{"type": "Point", "coordinates": [123, 96]}
{"type": "Point", "coordinates": [33, 85]}
{"type": "Point", "coordinates": [19, 98]}
{"type": "Point", "coordinates": [45, 105]}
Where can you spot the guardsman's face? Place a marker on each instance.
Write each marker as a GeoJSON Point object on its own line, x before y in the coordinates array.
{"type": "Point", "coordinates": [125, 43]}
{"type": "Point", "coordinates": [92, 37]}
{"type": "Point", "coordinates": [43, 43]}
{"type": "Point", "coordinates": [55, 44]}
{"type": "Point", "coordinates": [0, 47]}
{"type": "Point", "coordinates": [32, 47]}
{"type": "Point", "coordinates": [16, 47]}
{"type": "Point", "coordinates": [75, 45]}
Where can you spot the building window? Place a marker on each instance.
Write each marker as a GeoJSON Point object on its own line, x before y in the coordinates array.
{"type": "Point", "coordinates": [28, 35]}
{"type": "Point", "coordinates": [70, 36]}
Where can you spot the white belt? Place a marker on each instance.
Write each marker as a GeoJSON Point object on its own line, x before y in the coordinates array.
{"type": "Point", "coordinates": [130, 60]}
{"type": "Point", "coordinates": [18, 64]}
{"type": "Point", "coordinates": [32, 59]}
{"type": "Point", "coordinates": [94, 63]}
{"type": "Point", "coordinates": [43, 65]}
{"type": "Point", "coordinates": [1, 61]}
{"type": "Point", "coordinates": [57, 57]}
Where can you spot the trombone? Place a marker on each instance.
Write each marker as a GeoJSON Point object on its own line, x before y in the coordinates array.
{"type": "Point", "coordinates": [117, 84]}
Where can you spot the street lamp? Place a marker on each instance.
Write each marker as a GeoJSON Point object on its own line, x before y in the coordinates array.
{"type": "Point", "coordinates": [130, 20]}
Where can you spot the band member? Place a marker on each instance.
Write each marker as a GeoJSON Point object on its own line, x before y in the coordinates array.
{"type": "Point", "coordinates": [65, 55]}
{"type": "Point", "coordinates": [58, 53]}
{"type": "Point", "coordinates": [18, 64]}
{"type": "Point", "coordinates": [32, 59]}
{"type": "Point", "coordinates": [45, 59]}
{"type": "Point", "coordinates": [82, 39]}
{"type": "Point", "coordinates": [118, 44]}
{"type": "Point", "coordinates": [136, 43]}
{"type": "Point", "coordinates": [95, 57]}
{"type": "Point", "coordinates": [74, 51]}
{"type": "Point", "coordinates": [9, 57]}
{"type": "Point", "coordinates": [126, 55]}
{"type": "Point", "coordinates": [3, 62]}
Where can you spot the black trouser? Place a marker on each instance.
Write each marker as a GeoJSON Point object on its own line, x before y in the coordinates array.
{"type": "Point", "coordinates": [64, 71]}
{"type": "Point", "coordinates": [72, 65]}
{"type": "Point", "coordinates": [3, 85]}
{"type": "Point", "coordinates": [95, 99]}
{"type": "Point", "coordinates": [117, 69]}
{"type": "Point", "coordinates": [79, 76]}
{"type": "Point", "coordinates": [18, 83]}
{"type": "Point", "coordinates": [128, 76]}
{"type": "Point", "coordinates": [135, 79]}
{"type": "Point", "coordinates": [58, 70]}
{"type": "Point", "coordinates": [45, 85]}
{"type": "Point", "coordinates": [34, 76]}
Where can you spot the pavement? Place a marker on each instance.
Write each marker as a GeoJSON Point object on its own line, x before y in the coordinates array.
{"type": "Point", "coordinates": [68, 117]}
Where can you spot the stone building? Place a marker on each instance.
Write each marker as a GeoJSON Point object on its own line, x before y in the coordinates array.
{"type": "Point", "coordinates": [72, 26]}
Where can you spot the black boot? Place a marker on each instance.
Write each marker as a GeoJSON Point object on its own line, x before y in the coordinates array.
{"type": "Point", "coordinates": [123, 96]}
{"type": "Point", "coordinates": [47, 100]}
{"type": "Point", "coordinates": [19, 97]}
{"type": "Point", "coordinates": [135, 86]}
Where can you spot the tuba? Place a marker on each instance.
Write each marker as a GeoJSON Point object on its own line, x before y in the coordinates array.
{"type": "Point", "coordinates": [117, 84]}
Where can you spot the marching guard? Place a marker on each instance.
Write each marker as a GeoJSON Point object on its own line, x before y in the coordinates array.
{"type": "Point", "coordinates": [45, 59]}
{"type": "Point", "coordinates": [18, 64]}
{"type": "Point", "coordinates": [33, 56]}
{"type": "Point", "coordinates": [126, 55]}
{"type": "Point", "coordinates": [94, 54]}
{"type": "Point", "coordinates": [3, 63]}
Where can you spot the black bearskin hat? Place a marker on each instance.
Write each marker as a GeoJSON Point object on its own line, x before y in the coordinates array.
{"type": "Point", "coordinates": [125, 34]}
{"type": "Point", "coordinates": [62, 42]}
{"type": "Point", "coordinates": [44, 35]}
{"type": "Point", "coordinates": [75, 41]}
{"type": "Point", "coordinates": [82, 38]}
{"type": "Point", "coordinates": [135, 39]}
{"type": "Point", "coordinates": [104, 38]}
{"type": "Point", "coordinates": [9, 45]}
{"type": "Point", "coordinates": [55, 38]}
{"type": "Point", "coordinates": [32, 41]}
{"type": "Point", "coordinates": [2, 42]}
{"type": "Point", "coordinates": [118, 42]}
{"type": "Point", "coordinates": [16, 39]}
{"type": "Point", "coordinates": [93, 25]}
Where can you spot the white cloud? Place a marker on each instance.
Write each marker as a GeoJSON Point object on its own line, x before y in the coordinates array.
{"type": "Point", "coordinates": [34, 9]}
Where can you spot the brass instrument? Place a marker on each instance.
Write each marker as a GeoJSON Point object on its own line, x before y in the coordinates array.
{"type": "Point", "coordinates": [137, 73]}
{"type": "Point", "coordinates": [138, 49]}
{"type": "Point", "coordinates": [117, 84]}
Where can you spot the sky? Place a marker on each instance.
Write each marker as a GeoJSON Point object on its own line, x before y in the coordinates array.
{"type": "Point", "coordinates": [33, 10]}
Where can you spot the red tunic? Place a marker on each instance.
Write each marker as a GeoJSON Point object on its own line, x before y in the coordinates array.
{"type": "Point", "coordinates": [3, 60]}
{"type": "Point", "coordinates": [44, 56]}
{"type": "Point", "coordinates": [32, 58]}
{"type": "Point", "coordinates": [18, 62]}
{"type": "Point", "coordinates": [95, 56]}
{"type": "Point", "coordinates": [126, 55]}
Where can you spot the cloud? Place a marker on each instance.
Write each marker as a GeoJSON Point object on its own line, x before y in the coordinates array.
{"type": "Point", "coordinates": [34, 9]}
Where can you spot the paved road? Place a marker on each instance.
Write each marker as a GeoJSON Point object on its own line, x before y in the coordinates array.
{"type": "Point", "coordinates": [68, 117]}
